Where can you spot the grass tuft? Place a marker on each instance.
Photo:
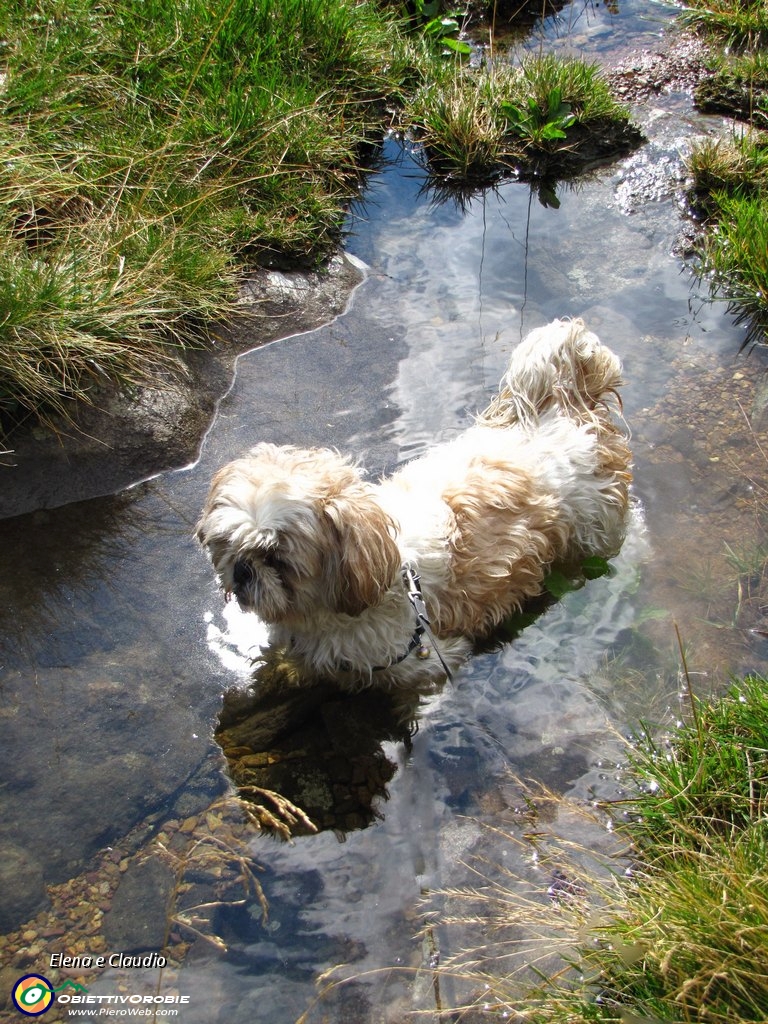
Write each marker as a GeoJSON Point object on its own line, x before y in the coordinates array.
{"type": "Point", "coordinates": [738, 24]}
{"type": "Point", "coordinates": [730, 186]}
{"type": "Point", "coordinates": [548, 116]}
{"type": "Point", "coordinates": [730, 189]}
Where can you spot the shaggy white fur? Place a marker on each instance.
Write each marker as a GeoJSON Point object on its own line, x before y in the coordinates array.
{"type": "Point", "coordinates": [301, 539]}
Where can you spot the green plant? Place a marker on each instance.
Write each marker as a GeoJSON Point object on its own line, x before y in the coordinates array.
{"type": "Point", "coordinates": [736, 85]}
{"type": "Point", "coordinates": [739, 24]}
{"type": "Point", "coordinates": [730, 188]}
{"type": "Point", "coordinates": [711, 775]}
{"type": "Point", "coordinates": [736, 165]}
{"type": "Point", "coordinates": [679, 935]}
{"type": "Point", "coordinates": [536, 118]}
{"type": "Point", "coordinates": [736, 259]}
{"type": "Point", "coordinates": [537, 125]}
{"type": "Point", "coordinates": [439, 27]}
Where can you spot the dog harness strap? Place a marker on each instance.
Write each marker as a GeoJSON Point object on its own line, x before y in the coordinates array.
{"type": "Point", "coordinates": [412, 582]}
{"type": "Point", "coordinates": [415, 643]}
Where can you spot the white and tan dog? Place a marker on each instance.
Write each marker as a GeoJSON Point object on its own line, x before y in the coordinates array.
{"type": "Point", "coordinates": [332, 562]}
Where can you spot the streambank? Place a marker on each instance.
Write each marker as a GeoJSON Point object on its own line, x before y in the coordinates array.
{"type": "Point", "coordinates": [125, 437]}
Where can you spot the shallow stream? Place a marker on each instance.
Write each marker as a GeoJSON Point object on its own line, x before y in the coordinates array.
{"type": "Point", "coordinates": [117, 649]}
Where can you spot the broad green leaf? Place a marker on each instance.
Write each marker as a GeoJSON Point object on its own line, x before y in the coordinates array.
{"type": "Point", "coordinates": [596, 566]}
{"type": "Point", "coordinates": [457, 45]}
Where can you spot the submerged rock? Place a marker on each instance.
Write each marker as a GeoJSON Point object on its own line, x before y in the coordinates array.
{"type": "Point", "coordinates": [138, 918]}
{"type": "Point", "coordinates": [22, 886]}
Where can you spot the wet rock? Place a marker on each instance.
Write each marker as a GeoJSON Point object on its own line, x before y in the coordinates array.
{"type": "Point", "coordinates": [21, 884]}
{"type": "Point", "coordinates": [8, 977]}
{"type": "Point", "coordinates": [138, 918]}
{"type": "Point", "coordinates": [678, 64]}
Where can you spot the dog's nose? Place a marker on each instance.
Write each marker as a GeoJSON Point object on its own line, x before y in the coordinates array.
{"type": "Point", "coordinates": [242, 575]}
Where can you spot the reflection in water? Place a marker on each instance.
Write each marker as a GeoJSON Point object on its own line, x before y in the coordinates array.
{"type": "Point", "coordinates": [316, 745]}
{"type": "Point", "coordinates": [322, 748]}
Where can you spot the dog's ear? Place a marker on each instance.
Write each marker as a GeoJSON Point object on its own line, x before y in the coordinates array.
{"type": "Point", "coordinates": [366, 559]}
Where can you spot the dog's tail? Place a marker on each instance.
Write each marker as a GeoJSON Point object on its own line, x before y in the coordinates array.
{"type": "Point", "coordinates": [562, 366]}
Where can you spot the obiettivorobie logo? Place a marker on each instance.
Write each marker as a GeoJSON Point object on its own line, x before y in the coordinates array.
{"type": "Point", "coordinates": [33, 994]}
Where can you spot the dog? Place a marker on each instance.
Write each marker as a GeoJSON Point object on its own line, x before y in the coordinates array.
{"type": "Point", "coordinates": [389, 584]}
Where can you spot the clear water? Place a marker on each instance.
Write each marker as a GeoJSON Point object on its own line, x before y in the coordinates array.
{"type": "Point", "coordinates": [117, 648]}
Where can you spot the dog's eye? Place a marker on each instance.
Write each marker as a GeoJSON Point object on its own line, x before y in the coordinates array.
{"type": "Point", "coordinates": [271, 559]}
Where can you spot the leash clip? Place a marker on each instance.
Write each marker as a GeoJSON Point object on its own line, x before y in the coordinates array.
{"type": "Point", "coordinates": [413, 586]}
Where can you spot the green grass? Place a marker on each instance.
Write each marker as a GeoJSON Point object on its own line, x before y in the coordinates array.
{"type": "Point", "coordinates": [710, 777]}
{"type": "Point", "coordinates": [697, 907]}
{"type": "Point", "coordinates": [680, 937]}
{"type": "Point", "coordinates": [153, 151]}
{"type": "Point", "coordinates": [736, 256]}
{"type": "Point", "coordinates": [737, 165]}
{"type": "Point", "coordinates": [729, 178]}
{"type": "Point", "coordinates": [736, 85]}
{"type": "Point", "coordinates": [730, 189]}
{"type": "Point", "coordinates": [738, 24]}
{"type": "Point", "coordinates": [550, 115]}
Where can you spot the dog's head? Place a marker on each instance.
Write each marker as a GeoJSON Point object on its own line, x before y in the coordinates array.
{"type": "Point", "coordinates": [291, 531]}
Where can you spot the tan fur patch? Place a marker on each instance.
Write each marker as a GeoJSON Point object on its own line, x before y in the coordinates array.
{"type": "Point", "coordinates": [366, 558]}
{"type": "Point", "coordinates": [504, 538]}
